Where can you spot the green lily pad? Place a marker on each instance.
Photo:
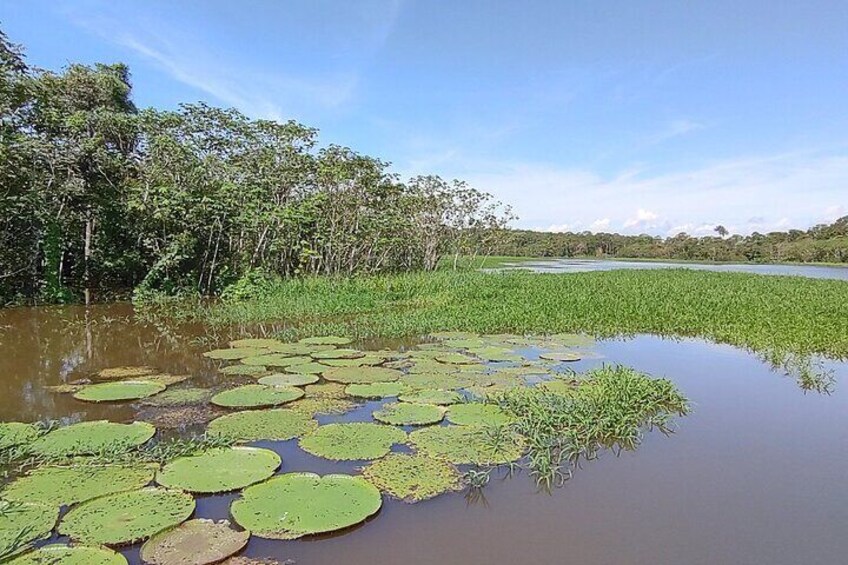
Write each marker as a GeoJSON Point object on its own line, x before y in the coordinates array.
{"type": "Point", "coordinates": [337, 354]}
{"type": "Point", "coordinates": [348, 442]}
{"type": "Point", "coordinates": [13, 434]}
{"type": "Point", "coordinates": [375, 390]}
{"type": "Point", "coordinates": [433, 366]}
{"type": "Point", "coordinates": [431, 396]}
{"type": "Point", "coordinates": [275, 360]}
{"type": "Point", "coordinates": [248, 370]}
{"type": "Point", "coordinates": [477, 414]}
{"type": "Point", "coordinates": [289, 379]}
{"type": "Point", "coordinates": [66, 555]}
{"type": "Point", "coordinates": [326, 340]}
{"type": "Point", "coordinates": [166, 379]}
{"type": "Point", "coordinates": [495, 354]}
{"type": "Point", "coordinates": [118, 391]}
{"type": "Point", "coordinates": [465, 343]}
{"type": "Point", "coordinates": [125, 372]}
{"type": "Point", "coordinates": [367, 360]}
{"type": "Point", "coordinates": [412, 477]}
{"type": "Point", "coordinates": [180, 397]}
{"type": "Point", "coordinates": [325, 390]}
{"type": "Point", "coordinates": [306, 368]}
{"type": "Point", "coordinates": [88, 438]}
{"type": "Point", "coordinates": [298, 348]}
{"type": "Point", "coordinates": [65, 485]}
{"type": "Point", "coordinates": [362, 375]}
{"type": "Point", "coordinates": [126, 517]}
{"type": "Point", "coordinates": [462, 445]}
{"type": "Point", "coordinates": [196, 542]}
{"type": "Point", "coordinates": [322, 405]}
{"type": "Point", "coordinates": [456, 359]}
{"type": "Point", "coordinates": [255, 425]}
{"type": "Point", "coordinates": [22, 523]}
{"type": "Point", "coordinates": [408, 414]}
{"type": "Point", "coordinates": [256, 343]}
{"type": "Point", "coordinates": [561, 356]}
{"type": "Point", "coordinates": [298, 504]}
{"type": "Point", "coordinates": [442, 381]}
{"type": "Point", "coordinates": [234, 353]}
{"type": "Point", "coordinates": [219, 470]}
{"type": "Point", "coordinates": [256, 396]}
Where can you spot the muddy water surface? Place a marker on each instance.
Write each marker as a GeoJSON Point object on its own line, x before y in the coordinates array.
{"type": "Point", "coordinates": [756, 474]}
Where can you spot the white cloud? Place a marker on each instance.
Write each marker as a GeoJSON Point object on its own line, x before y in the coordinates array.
{"type": "Point", "coordinates": [601, 224]}
{"type": "Point", "coordinates": [561, 228]}
{"type": "Point", "coordinates": [645, 219]}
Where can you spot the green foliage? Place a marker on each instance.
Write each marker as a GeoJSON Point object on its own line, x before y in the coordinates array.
{"type": "Point", "coordinates": [91, 438]}
{"type": "Point", "coordinates": [347, 442]}
{"type": "Point", "coordinates": [122, 390]}
{"type": "Point", "coordinates": [288, 379]}
{"type": "Point", "coordinates": [412, 478]}
{"type": "Point", "coordinates": [409, 414]}
{"type": "Point", "coordinates": [361, 375]}
{"type": "Point", "coordinates": [298, 504]}
{"type": "Point", "coordinates": [22, 523]}
{"type": "Point", "coordinates": [476, 414]}
{"type": "Point", "coordinates": [13, 434]}
{"type": "Point", "coordinates": [431, 396]}
{"type": "Point", "coordinates": [256, 396]}
{"type": "Point", "coordinates": [67, 555]}
{"type": "Point", "coordinates": [219, 470]}
{"type": "Point", "coordinates": [462, 445]}
{"type": "Point", "coordinates": [180, 397]}
{"type": "Point", "coordinates": [375, 390]}
{"type": "Point", "coordinates": [197, 541]}
{"type": "Point", "coordinates": [254, 425]}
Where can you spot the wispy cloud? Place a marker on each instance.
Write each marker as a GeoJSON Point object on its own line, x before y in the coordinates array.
{"type": "Point", "coordinates": [675, 128]}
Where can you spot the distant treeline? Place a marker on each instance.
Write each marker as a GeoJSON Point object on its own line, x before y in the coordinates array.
{"type": "Point", "coordinates": [98, 196]}
{"type": "Point", "coordinates": [822, 243]}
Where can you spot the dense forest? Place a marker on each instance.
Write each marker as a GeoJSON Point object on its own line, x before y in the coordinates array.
{"type": "Point", "coordinates": [822, 243]}
{"type": "Point", "coordinates": [99, 197]}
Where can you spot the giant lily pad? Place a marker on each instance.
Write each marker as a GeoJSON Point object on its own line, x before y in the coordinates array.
{"type": "Point", "coordinates": [256, 396]}
{"type": "Point", "coordinates": [288, 379]}
{"type": "Point", "coordinates": [22, 523]}
{"type": "Point", "coordinates": [477, 414]}
{"type": "Point", "coordinates": [495, 354]}
{"type": "Point", "coordinates": [166, 379]}
{"type": "Point", "coordinates": [467, 444]}
{"type": "Point", "coordinates": [196, 542]}
{"type": "Point", "coordinates": [306, 368]}
{"type": "Point", "coordinates": [375, 390]}
{"type": "Point", "coordinates": [126, 517]}
{"type": "Point", "coordinates": [275, 360]}
{"type": "Point", "coordinates": [431, 396]}
{"type": "Point", "coordinates": [337, 354]}
{"type": "Point", "coordinates": [66, 555]}
{"type": "Point", "coordinates": [561, 356]}
{"type": "Point", "coordinates": [180, 397]}
{"type": "Point", "coordinates": [347, 442]}
{"type": "Point", "coordinates": [234, 353]}
{"type": "Point", "coordinates": [16, 433]}
{"type": "Point", "coordinates": [369, 360]}
{"type": "Point", "coordinates": [299, 348]}
{"type": "Point", "coordinates": [117, 391]}
{"type": "Point", "coordinates": [361, 375]}
{"type": "Point", "coordinates": [441, 381]}
{"type": "Point", "coordinates": [322, 405]}
{"type": "Point", "coordinates": [219, 470]}
{"type": "Point", "coordinates": [326, 340]}
{"type": "Point", "coordinates": [87, 438]}
{"type": "Point", "coordinates": [298, 504]}
{"type": "Point", "coordinates": [412, 478]}
{"type": "Point", "coordinates": [255, 425]}
{"type": "Point", "coordinates": [456, 359]}
{"type": "Point", "coordinates": [63, 486]}
{"type": "Point", "coordinates": [325, 390]}
{"type": "Point", "coordinates": [118, 373]}
{"type": "Point", "coordinates": [408, 414]}
{"type": "Point", "coordinates": [257, 343]}
{"type": "Point", "coordinates": [247, 370]}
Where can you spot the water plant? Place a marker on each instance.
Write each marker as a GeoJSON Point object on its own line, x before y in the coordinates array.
{"type": "Point", "coordinates": [431, 396]}
{"type": "Point", "coordinates": [466, 444]}
{"type": "Point", "coordinates": [22, 523]}
{"type": "Point", "coordinates": [256, 396]}
{"type": "Point", "coordinates": [306, 368]}
{"type": "Point", "coordinates": [247, 370]}
{"type": "Point", "coordinates": [255, 342]}
{"type": "Point", "coordinates": [279, 424]}
{"type": "Point", "coordinates": [87, 438]}
{"type": "Point", "coordinates": [412, 477]}
{"type": "Point", "coordinates": [325, 390]}
{"type": "Point", "coordinates": [358, 440]}
{"type": "Point", "coordinates": [322, 405]}
{"type": "Point", "coordinates": [409, 414]}
{"type": "Point", "coordinates": [57, 554]}
{"type": "Point", "coordinates": [195, 542]}
{"type": "Point", "coordinates": [275, 360]}
{"type": "Point", "coordinates": [361, 375]}
{"type": "Point", "coordinates": [294, 505]}
{"type": "Point", "coordinates": [219, 470]}
{"type": "Point", "coordinates": [126, 517]}
{"type": "Point", "coordinates": [375, 390]}
{"type": "Point", "coordinates": [337, 354]}
{"type": "Point", "coordinates": [289, 379]}
{"type": "Point", "coordinates": [118, 391]}
{"type": "Point", "coordinates": [477, 414]}
{"type": "Point", "coordinates": [326, 340]}
{"type": "Point", "coordinates": [175, 417]}
{"type": "Point", "coordinates": [119, 373]}
{"type": "Point", "coordinates": [561, 356]}
{"type": "Point", "coordinates": [13, 434]}
{"type": "Point", "coordinates": [234, 353]}
{"type": "Point", "coordinates": [179, 397]}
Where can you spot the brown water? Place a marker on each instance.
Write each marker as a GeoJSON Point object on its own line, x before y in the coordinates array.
{"type": "Point", "coordinates": [758, 473]}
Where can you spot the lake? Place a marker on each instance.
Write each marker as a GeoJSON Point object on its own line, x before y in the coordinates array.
{"type": "Point", "coordinates": [755, 474]}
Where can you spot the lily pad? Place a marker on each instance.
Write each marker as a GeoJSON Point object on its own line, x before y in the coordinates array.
{"type": "Point", "coordinates": [22, 523]}
{"type": "Point", "coordinates": [298, 348]}
{"type": "Point", "coordinates": [66, 555]}
{"type": "Point", "coordinates": [249, 370]}
{"type": "Point", "coordinates": [234, 353]}
{"type": "Point", "coordinates": [88, 438]}
{"type": "Point", "coordinates": [337, 354]}
{"type": "Point", "coordinates": [462, 445]}
{"type": "Point", "coordinates": [17, 433]}
{"type": "Point", "coordinates": [180, 397]}
{"type": "Point", "coordinates": [561, 356]}
{"type": "Point", "coordinates": [367, 360]}
{"type": "Point", "coordinates": [496, 354]}
{"type": "Point", "coordinates": [179, 417]}
{"type": "Point", "coordinates": [362, 375]}
{"type": "Point", "coordinates": [219, 470]}
{"type": "Point", "coordinates": [126, 517]}
{"type": "Point", "coordinates": [256, 396]}
{"type": "Point", "coordinates": [125, 372]}
{"type": "Point", "coordinates": [196, 542]}
{"type": "Point", "coordinates": [255, 425]}
{"type": "Point", "coordinates": [456, 359]}
{"type": "Point", "coordinates": [375, 390]}
{"type": "Point", "coordinates": [306, 368]}
{"type": "Point", "coordinates": [442, 381]}
{"type": "Point", "coordinates": [431, 396]}
{"type": "Point", "coordinates": [166, 379]}
{"type": "Point", "coordinates": [326, 340]}
{"type": "Point", "coordinates": [288, 379]}
{"type": "Point", "coordinates": [298, 504]}
{"type": "Point", "coordinates": [465, 343]}
{"type": "Point", "coordinates": [118, 391]}
{"type": "Point", "coordinates": [322, 405]}
{"type": "Point", "coordinates": [257, 343]}
{"type": "Point", "coordinates": [412, 477]}
{"type": "Point", "coordinates": [477, 414]}
{"type": "Point", "coordinates": [409, 414]}
{"type": "Point", "coordinates": [275, 360]}
{"type": "Point", "coordinates": [348, 442]}
{"type": "Point", "coordinates": [66, 485]}
{"type": "Point", "coordinates": [325, 390]}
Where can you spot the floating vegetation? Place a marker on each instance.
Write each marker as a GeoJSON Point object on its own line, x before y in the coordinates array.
{"type": "Point", "coordinates": [337, 354]}
{"type": "Point", "coordinates": [64, 388]}
{"type": "Point", "coordinates": [89, 438]}
{"type": "Point", "coordinates": [166, 379]}
{"type": "Point", "coordinates": [289, 379]}
{"type": "Point", "coordinates": [22, 523]}
{"type": "Point", "coordinates": [362, 375]}
{"type": "Point", "coordinates": [118, 391]}
{"type": "Point", "coordinates": [57, 486]}
{"type": "Point", "coordinates": [298, 348]}
{"type": "Point", "coordinates": [322, 405]}
{"type": "Point", "coordinates": [468, 444]}
{"type": "Point", "coordinates": [348, 442]}
{"type": "Point", "coordinates": [255, 425]}
{"type": "Point", "coordinates": [196, 542]}
{"type": "Point", "coordinates": [306, 368]}
{"type": "Point", "coordinates": [275, 360]}
{"type": "Point", "coordinates": [172, 417]}
{"type": "Point", "coordinates": [477, 414]}
{"type": "Point", "coordinates": [561, 356]}
{"type": "Point", "coordinates": [234, 354]}
{"type": "Point", "coordinates": [368, 359]}
{"type": "Point", "coordinates": [456, 359]}
{"type": "Point", "coordinates": [125, 372]}
{"type": "Point", "coordinates": [255, 343]}
{"type": "Point", "coordinates": [126, 517]}
{"type": "Point", "coordinates": [70, 555]}
{"type": "Point", "coordinates": [409, 414]}
{"type": "Point", "coordinates": [431, 396]}
{"type": "Point", "coordinates": [294, 505]}
{"type": "Point", "coordinates": [496, 354]}
{"type": "Point", "coordinates": [325, 390]}
{"type": "Point", "coordinates": [180, 397]}
{"type": "Point", "coordinates": [326, 340]}
{"type": "Point", "coordinates": [219, 470]}
{"type": "Point", "coordinates": [13, 434]}
{"type": "Point", "coordinates": [412, 477]}
{"type": "Point", "coordinates": [256, 396]}
{"type": "Point", "coordinates": [375, 390]}
{"type": "Point", "coordinates": [246, 370]}
{"type": "Point", "coordinates": [443, 381]}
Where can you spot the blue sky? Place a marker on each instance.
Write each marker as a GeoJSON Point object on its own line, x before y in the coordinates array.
{"type": "Point", "coordinates": [654, 116]}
